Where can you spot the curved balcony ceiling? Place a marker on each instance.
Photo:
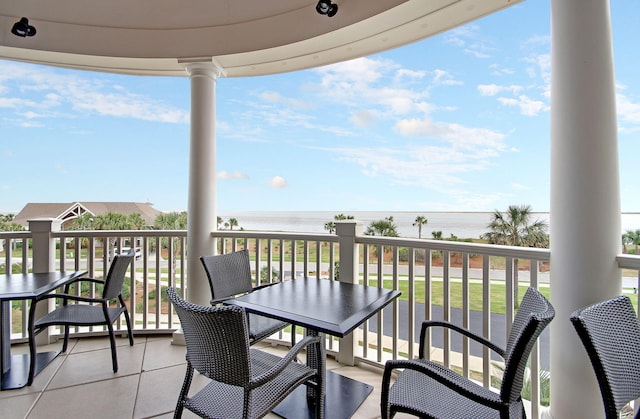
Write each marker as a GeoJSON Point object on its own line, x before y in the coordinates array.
{"type": "Point", "coordinates": [241, 37]}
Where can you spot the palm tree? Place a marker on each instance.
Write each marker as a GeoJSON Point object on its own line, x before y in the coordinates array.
{"type": "Point", "coordinates": [176, 220]}
{"type": "Point", "coordinates": [232, 223]}
{"type": "Point", "coordinates": [384, 227]}
{"type": "Point", "coordinates": [111, 221]}
{"type": "Point", "coordinates": [330, 226]}
{"type": "Point", "coordinates": [420, 221]}
{"type": "Point", "coordinates": [632, 237]}
{"type": "Point", "coordinates": [515, 228]}
{"type": "Point", "coordinates": [437, 235]}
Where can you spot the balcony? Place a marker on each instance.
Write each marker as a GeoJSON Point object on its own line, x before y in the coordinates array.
{"type": "Point", "coordinates": [146, 385]}
{"type": "Point", "coordinates": [452, 276]}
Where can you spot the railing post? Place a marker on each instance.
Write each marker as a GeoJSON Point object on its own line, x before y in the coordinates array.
{"type": "Point", "coordinates": [347, 232]}
{"type": "Point", "coordinates": [44, 260]}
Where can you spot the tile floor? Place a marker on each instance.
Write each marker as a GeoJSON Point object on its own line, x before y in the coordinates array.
{"type": "Point", "coordinates": [81, 383]}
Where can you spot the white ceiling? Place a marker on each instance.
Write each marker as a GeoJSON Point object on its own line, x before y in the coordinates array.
{"type": "Point", "coordinates": [241, 37]}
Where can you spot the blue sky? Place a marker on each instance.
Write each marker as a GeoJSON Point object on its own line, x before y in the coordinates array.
{"type": "Point", "coordinates": [457, 122]}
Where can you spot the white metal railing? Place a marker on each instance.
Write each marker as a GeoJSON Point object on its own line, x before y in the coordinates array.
{"type": "Point", "coordinates": [437, 278]}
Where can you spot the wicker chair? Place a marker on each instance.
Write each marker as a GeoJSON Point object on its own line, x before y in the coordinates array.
{"type": "Point", "coordinates": [96, 312]}
{"type": "Point", "coordinates": [610, 333]}
{"type": "Point", "coordinates": [230, 275]}
{"type": "Point", "coordinates": [428, 389]}
{"type": "Point", "coordinates": [246, 382]}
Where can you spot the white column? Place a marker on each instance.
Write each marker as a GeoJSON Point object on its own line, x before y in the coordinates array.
{"type": "Point", "coordinates": [585, 199]}
{"type": "Point", "coordinates": [44, 260]}
{"type": "Point", "coordinates": [347, 232]}
{"type": "Point", "coordinates": [202, 215]}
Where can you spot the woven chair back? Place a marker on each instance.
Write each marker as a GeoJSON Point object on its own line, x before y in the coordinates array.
{"type": "Point", "coordinates": [217, 340]}
{"type": "Point", "coordinates": [115, 277]}
{"type": "Point", "coordinates": [533, 316]}
{"type": "Point", "coordinates": [610, 333]}
{"type": "Point", "coordinates": [229, 274]}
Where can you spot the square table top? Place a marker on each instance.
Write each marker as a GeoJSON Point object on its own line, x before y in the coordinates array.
{"type": "Point", "coordinates": [328, 306]}
{"type": "Point", "coordinates": [33, 285]}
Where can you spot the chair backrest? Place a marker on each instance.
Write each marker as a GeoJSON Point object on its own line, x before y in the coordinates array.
{"type": "Point", "coordinates": [217, 339]}
{"type": "Point", "coordinates": [610, 333]}
{"type": "Point", "coordinates": [115, 277]}
{"type": "Point", "coordinates": [534, 314]}
{"type": "Point", "coordinates": [229, 274]}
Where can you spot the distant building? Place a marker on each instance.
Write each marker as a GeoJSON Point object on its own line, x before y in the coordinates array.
{"type": "Point", "coordinates": [70, 211]}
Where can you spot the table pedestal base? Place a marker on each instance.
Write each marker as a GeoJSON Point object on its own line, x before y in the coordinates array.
{"type": "Point", "coordinates": [344, 396]}
{"type": "Point", "coordinates": [18, 374]}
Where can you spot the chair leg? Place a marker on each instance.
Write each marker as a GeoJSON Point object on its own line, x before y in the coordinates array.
{"type": "Point", "coordinates": [66, 338]}
{"type": "Point", "coordinates": [32, 343]}
{"type": "Point", "coordinates": [384, 396]}
{"type": "Point", "coordinates": [114, 356]}
{"type": "Point", "coordinates": [186, 384]}
{"type": "Point", "coordinates": [126, 317]}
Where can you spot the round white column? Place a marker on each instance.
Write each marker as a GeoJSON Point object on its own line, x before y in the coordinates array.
{"type": "Point", "coordinates": [585, 197]}
{"type": "Point", "coordinates": [202, 215]}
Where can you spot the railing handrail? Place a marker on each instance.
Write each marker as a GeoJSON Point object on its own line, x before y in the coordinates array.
{"type": "Point", "coordinates": [275, 235]}
{"type": "Point", "coordinates": [533, 253]}
{"type": "Point", "coordinates": [118, 233]}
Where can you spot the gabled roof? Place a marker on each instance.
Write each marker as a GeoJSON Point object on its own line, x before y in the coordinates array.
{"type": "Point", "coordinates": [68, 211]}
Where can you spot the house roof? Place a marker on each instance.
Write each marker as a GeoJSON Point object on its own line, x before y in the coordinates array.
{"type": "Point", "coordinates": [67, 211]}
{"type": "Point", "coordinates": [240, 37]}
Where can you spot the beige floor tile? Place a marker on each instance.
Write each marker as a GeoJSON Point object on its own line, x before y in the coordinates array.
{"type": "Point", "coordinates": [106, 399]}
{"type": "Point", "coordinates": [158, 391]}
{"type": "Point", "coordinates": [17, 406]}
{"type": "Point", "coordinates": [161, 353]}
{"type": "Point", "coordinates": [89, 366]}
{"type": "Point", "coordinates": [41, 380]}
{"type": "Point", "coordinates": [151, 371]}
{"type": "Point", "coordinates": [86, 344]}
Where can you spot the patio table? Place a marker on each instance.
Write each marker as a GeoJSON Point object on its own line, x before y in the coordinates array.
{"type": "Point", "coordinates": [18, 370]}
{"type": "Point", "coordinates": [323, 307]}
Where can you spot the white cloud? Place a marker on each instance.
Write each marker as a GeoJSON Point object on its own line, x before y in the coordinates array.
{"type": "Point", "coordinates": [363, 118]}
{"type": "Point", "coordinates": [494, 89]}
{"type": "Point", "coordinates": [527, 106]}
{"type": "Point", "coordinates": [50, 90]}
{"type": "Point", "coordinates": [224, 175]}
{"type": "Point", "coordinates": [455, 134]}
{"type": "Point", "coordinates": [275, 97]}
{"type": "Point", "coordinates": [498, 70]}
{"type": "Point", "coordinates": [628, 111]}
{"type": "Point", "coordinates": [278, 182]}
{"type": "Point", "coordinates": [442, 77]}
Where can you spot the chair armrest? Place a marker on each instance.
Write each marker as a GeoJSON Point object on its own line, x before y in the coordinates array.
{"type": "Point", "coordinates": [72, 297]}
{"type": "Point", "coordinates": [446, 377]}
{"type": "Point", "coordinates": [466, 332]}
{"type": "Point", "coordinates": [257, 287]}
{"type": "Point", "coordinates": [284, 361]}
{"type": "Point", "coordinates": [94, 280]}
{"type": "Point", "coordinates": [216, 301]}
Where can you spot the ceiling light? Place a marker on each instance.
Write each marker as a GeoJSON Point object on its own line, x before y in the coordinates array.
{"type": "Point", "coordinates": [22, 28]}
{"type": "Point", "coordinates": [324, 7]}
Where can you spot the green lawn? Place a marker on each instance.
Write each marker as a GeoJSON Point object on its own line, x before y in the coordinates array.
{"type": "Point", "coordinates": [497, 294]}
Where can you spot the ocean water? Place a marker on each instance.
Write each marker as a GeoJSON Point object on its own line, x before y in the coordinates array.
{"type": "Point", "coordinates": [461, 224]}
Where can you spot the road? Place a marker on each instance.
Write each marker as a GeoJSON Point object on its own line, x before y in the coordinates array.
{"type": "Point", "coordinates": [498, 329]}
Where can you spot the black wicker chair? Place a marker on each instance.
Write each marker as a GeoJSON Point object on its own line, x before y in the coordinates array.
{"type": "Point", "coordinates": [96, 312]}
{"type": "Point", "coordinates": [246, 382]}
{"type": "Point", "coordinates": [428, 389]}
{"type": "Point", "coordinates": [229, 276]}
{"type": "Point", "coordinates": [610, 333]}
